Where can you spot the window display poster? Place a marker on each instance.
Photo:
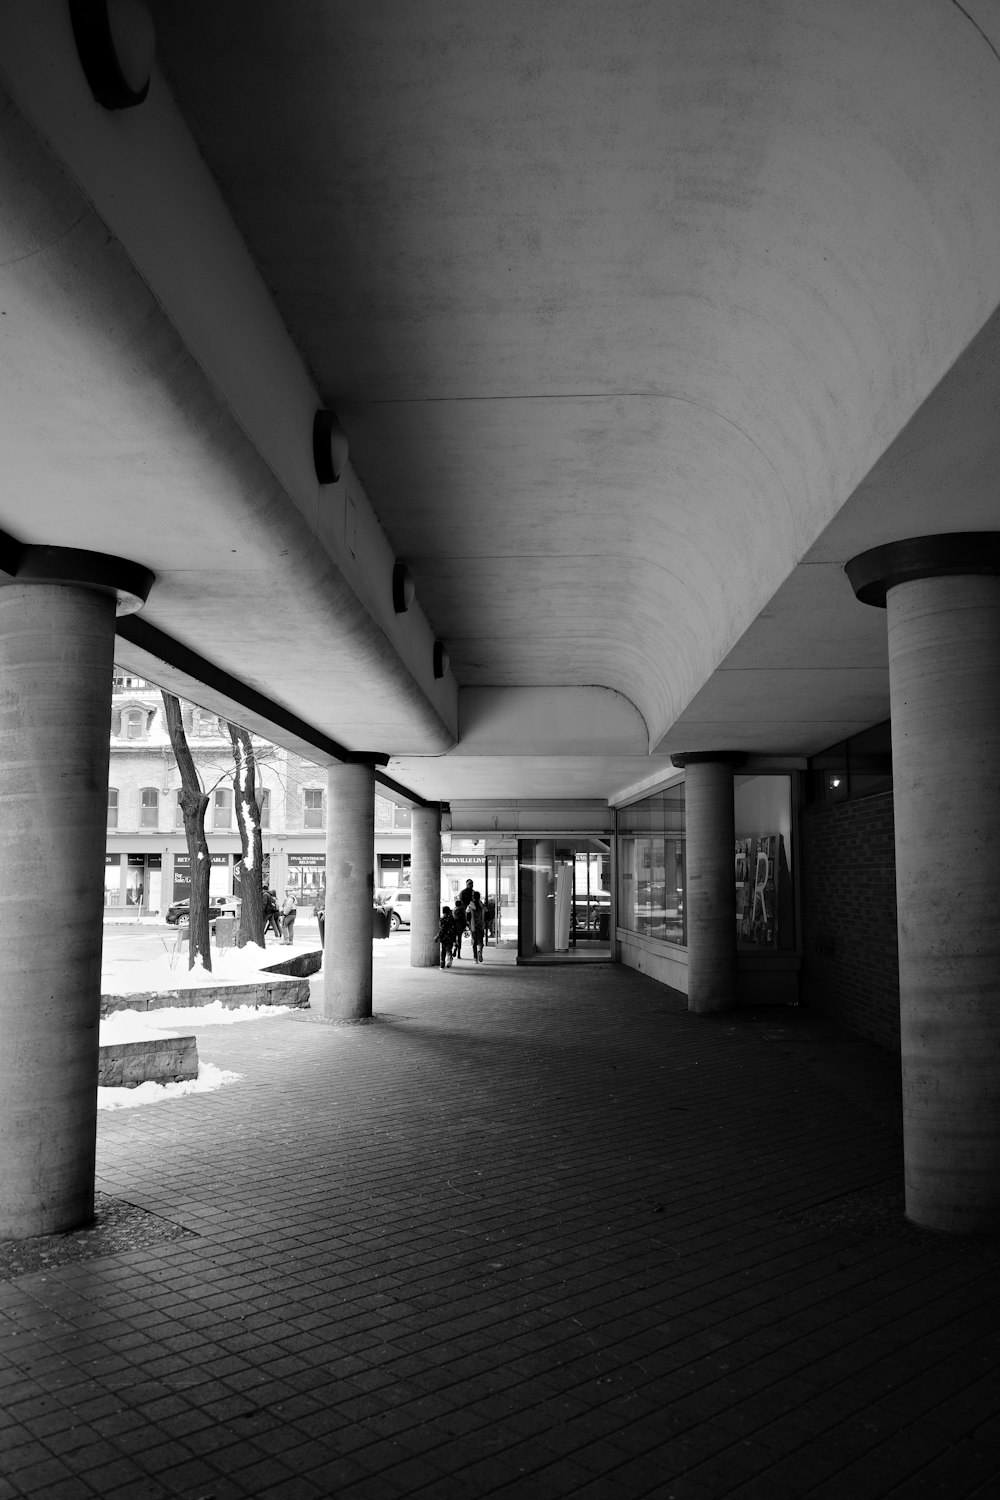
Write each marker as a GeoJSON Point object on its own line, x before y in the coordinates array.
{"type": "Point", "coordinates": [757, 873]}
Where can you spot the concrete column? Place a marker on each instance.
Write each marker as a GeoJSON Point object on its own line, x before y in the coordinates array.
{"type": "Point", "coordinates": [710, 847]}
{"type": "Point", "coordinates": [943, 602]}
{"type": "Point", "coordinates": [545, 896]}
{"type": "Point", "coordinates": [350, 890]}
{"type": "Point", "coordinates": [425, 884]}
{"type": "Point", "coordinates": [56, 658]}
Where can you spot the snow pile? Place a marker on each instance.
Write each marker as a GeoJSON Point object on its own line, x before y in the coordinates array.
{"type": "Point", "coordinates": [174, 1020]}
{"type": "Point", "coordinates": [180, 1020]}
{"type": "Point", "coordinates": [231, 966]}
{"type": "Point", "coordinates": [209, 1078]}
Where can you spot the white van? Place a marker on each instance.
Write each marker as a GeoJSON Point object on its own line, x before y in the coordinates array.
{"type": "Point", "coordinates": [396, 900]}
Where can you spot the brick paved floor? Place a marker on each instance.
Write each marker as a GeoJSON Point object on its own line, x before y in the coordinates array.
{"type": "Point", "coordinates": [533, 1233]}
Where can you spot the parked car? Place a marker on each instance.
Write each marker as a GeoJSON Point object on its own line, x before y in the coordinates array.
{"type": "Point", "coordinates": [396, 901]}
{"type": "Point", "coordinates": [179, 914]}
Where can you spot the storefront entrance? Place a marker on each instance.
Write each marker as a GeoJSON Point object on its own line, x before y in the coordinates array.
{"type": "Point", "coordinates": [564, 899]}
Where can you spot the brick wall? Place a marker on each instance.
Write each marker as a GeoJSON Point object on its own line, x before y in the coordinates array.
{"type": "Point", "coordinates": [850, 966]}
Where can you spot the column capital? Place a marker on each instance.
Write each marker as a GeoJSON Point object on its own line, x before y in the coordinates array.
{"type": "Point", "coordinates": [734, 758]}
{"type": "Point", "coordinates": [950, 554]}
{"type": "Point", "coordinates": [26, 562]}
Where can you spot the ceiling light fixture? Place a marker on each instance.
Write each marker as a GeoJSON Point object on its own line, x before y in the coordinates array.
{"type": "Point", "coordinates": [330, 447]}
{"type": "Point", "coordinates": [116, 45]}
{"type": "Point", "coordinates": [403, 588]}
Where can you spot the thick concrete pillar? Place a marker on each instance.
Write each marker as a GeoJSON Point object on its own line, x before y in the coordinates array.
{"type": "Point", "coordinates": [545, 896]}
{"type": "Point", "coordinates": [350, 890]}
{"type": "Point", "coordinates": [56, 658]}
{"type": "Point", "coordinates": [710, 844]}
{"type": "Point", "coordinates": [942, 596]}
{"type": "Point", "coordinates": [425, 883]}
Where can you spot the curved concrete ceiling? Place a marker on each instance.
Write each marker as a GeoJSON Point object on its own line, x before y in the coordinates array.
{"type": "Point", "coordinates": [620, 305]}
{"type": "Point", "coordinates": [645, 290]}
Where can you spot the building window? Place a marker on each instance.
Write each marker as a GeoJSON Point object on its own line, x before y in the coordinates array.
{"type": "Point", "coordinates": [857, 767]}
{"type": "Point", "coordinates": [134, 721]}
{"type": "Point", "coordinates": [651, 866]}
{"type": "Point", "coordinates": [149, 814]}
{"type": "Point", "coordinates": [264, 800]}
{"type": "Point", "coordinates": [178, 810]}
{"type": "Point", "coordinates": [223, 817]}
{"type": "Point", "coordinates": [112, 807]}
{"type": "Point", "coordinates": [313, 809]}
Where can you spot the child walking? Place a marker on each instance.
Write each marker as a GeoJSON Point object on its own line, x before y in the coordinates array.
{"type": "Point", "coordinates": [445, 936]}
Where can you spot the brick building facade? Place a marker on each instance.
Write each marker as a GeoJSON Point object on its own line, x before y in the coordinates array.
{"type": "Point", "coordinates": [146, 862]}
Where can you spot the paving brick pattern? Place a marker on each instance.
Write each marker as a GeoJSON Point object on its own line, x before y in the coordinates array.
{"type": "Point", "coordinates": [532, 1233]}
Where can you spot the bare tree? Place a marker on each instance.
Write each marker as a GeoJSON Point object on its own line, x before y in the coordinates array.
{"type": "Point", "coordinates": [248, 822]}
{"type": "Point", "coordinates": [193, 803]}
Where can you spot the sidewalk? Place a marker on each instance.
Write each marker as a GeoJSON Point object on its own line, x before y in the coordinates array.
{"type": "Point", "coordinates": [531, 1233]}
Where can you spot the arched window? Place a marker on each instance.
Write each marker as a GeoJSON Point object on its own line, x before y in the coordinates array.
{"type": "Point", "coordinates": [133, 723]}
{"type": "Point", "coordinates": [178, 810]}
{"type": "Point", "coordinates": [112, 807]}
{"type": "Point", "coordinates": [223, 817]}
{"type": "Point", "coordinates": [149, 807]}
{"type": "Point", "coordinates": [264, 799]}
{"type": "Point", "coordinates": [312, 811]}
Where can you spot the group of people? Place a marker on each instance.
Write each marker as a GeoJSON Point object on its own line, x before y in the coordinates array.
{"type": "Point", "coordinates": [279, 919]}
{"type": "Point", "coordinates": [467, 916]}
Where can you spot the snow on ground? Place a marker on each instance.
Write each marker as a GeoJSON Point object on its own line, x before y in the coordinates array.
{"type": "Point", "coordinates": [230, 966]}
{"type": "Point", "coordinates": [175, 1020]}
{"type": "Point", "coordinates": [209, 1078]}
{"type": "Point", "coordinates": [180, 1020]}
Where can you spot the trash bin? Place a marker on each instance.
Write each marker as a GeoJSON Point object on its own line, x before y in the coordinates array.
{"type": "Point", "coordinates": [225, 932]}
{"type": "Point", "coordinates": [604, 926]}
{"type": "Point", "coordinates": [380, 922]}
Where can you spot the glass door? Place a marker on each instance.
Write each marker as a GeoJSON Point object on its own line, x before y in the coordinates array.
{"type": "Point", "coordinates": [564, 905]}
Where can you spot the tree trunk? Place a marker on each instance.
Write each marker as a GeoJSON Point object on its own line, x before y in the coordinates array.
{"type": "Point", "coordinates": [194, 802]}
{"type": "Point", "coordinates": [248, 822]}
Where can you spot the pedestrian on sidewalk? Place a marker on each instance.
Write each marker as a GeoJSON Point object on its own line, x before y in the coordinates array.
{"type": "Point", "coordinates": [445, 937]}
{"type": "Point", "coordinates": [475, 916]}
{"type": "Point", "coordinates": [271, 921]}
{"type": "Point", "coordinates": [458, 917]}
{"type": "Point", "coordinates": [289, 911]}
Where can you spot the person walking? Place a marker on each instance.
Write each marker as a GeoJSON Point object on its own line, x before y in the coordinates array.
{"type": "Point", "coordinates": [465, 896]}
{"type": "Point", "coordinates": [289, 911]}
{"type": "Point", "coordinates": [271, 922]}
{"type": "Point", "coordinates": [458, 917]}
{"type": "Point", "coordinates": [445, 936]}
{"type": "Point", "coordinates": [475, 916]}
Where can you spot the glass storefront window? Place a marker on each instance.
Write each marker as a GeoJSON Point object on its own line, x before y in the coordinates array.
{"type": "Point", "coordinates": [651, 875]}
{"type": "Point", "coordinates": [765, 909]}
{"type": "Point", "coordinates": [306, 877]}
{"type": "Point", "coordinates": [112, 880]}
